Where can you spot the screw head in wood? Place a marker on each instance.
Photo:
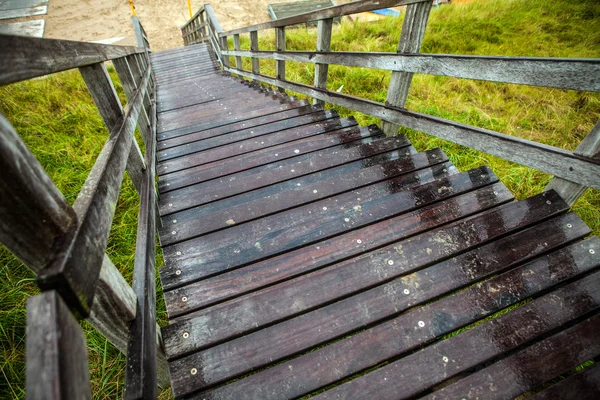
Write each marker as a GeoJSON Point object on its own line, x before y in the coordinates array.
{"type": "Point", "coordinates": [421, 324]}
{"type": "Point", "coordinates": [548, 202]}
{"type": "Point", "coordinates": [445, 359]}
{"type": "Point", "coordinates": [186, 335]}
{"type": "Point", "coordinates": [358, 241]}
{"type": "Point", "coordinates": [569, 226]}
{"type": "Point", "coordinates": [406, 291]}
{"type": "Point", "coordinates": [193, 371]}
{"type": "Point", "coordinates": [184, 299]}
{"type": "Point", "coordinates": [178, 253]}
{"type": "Point", "coordinates": [178, 272]}
{"type": "Point", "coordinates": [391, 262]}
{"type": "Point", "coordinates": [592, 251]}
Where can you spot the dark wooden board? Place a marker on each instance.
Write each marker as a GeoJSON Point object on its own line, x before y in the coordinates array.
{"type": "Point", "coordinates": [293, 193]}
{"type": "Point", "coordinates": [192, 134]}
{"type": "Point", "coordinates": [250, 111]}
{"type": "Point", "coordinates": [264, 273]}
{"type": "Point", "coordinates": [257, 132]}
{"type": "Point", "coordinates": [370, 269]}
{"type": "Point", "coordinates": [248, 124]}
{"type": "Point", "coordinates": [368, 153]}
{"type": "Point", "coordinates": [530, 367]}
{"type": "Point", "coordinates": [414, 374]}
{"type": "Point", "coordinates": [410, 330]}
{"type": "Point", "coordinates": [222, 251]}
{"type": "Point", "coordinates": [308, 145]}
{"type": "Point", "coordinates": [584, 385]}
{"type": "Point", "coordinates": [290, 135]}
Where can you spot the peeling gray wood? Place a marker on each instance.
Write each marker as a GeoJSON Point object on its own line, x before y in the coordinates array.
{"type": "Point", "coordinates": [280, 45]}
{"type": "Point", "coordinates": [323, 44]}
{"type": "Point", "coordinates": [24, 12]}
{"type": "Point", "coordinates": [57, 365]}
{"type": "Point", "coordinates": [27, 28]}
{"type": "Point", "coordinates": [561, 73]}
{"type": "Point", "coordinates": [224, 48]}
{"type": "Point", "coordinates": [411, 37]}
{"type": "Point", "coordinates": [589, 147]}
{"type": "Point", "coordinates": [254, 47]}
{"type": "Point", "coordinates": [27, 57]}
{"type": "Point", "coordinates": [331, 12]}
{"type": "Point", "coordinates": [544, 158]}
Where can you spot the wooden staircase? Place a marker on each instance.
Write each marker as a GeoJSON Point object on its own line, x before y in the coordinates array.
{"type": "Point", "coordinates": [306, 252]}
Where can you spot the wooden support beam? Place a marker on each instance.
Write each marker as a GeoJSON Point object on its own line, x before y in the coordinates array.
{"type": "Point", "coordinates": [280, 43]}
{"type": "Point", "coordinates": [254, 47]}
{"type": "Point", "coordinates": [224, 46]}
{"type": "Point", "coordinates": [107, 101]}
{"type": "Point", "coordinates": [589, 147]}
{"type": "Point", "coordinates": [237, 46]}
{"type": "Point", "coordinates": [413, 30]}
{"type": "Point", "coordinates": [323, 44]}
{"type": "Point", "coordinates": [57, 364]}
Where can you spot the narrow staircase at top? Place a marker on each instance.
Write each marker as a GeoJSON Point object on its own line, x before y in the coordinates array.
{"type": "Point", "coordinates": [305, 252]}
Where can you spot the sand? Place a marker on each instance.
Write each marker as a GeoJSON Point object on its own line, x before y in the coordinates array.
{"type": "Point", "coordinates": [109, 21]}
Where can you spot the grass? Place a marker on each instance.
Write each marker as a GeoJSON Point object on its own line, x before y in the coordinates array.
{"type": "Point", "coordinates": [57, 120]}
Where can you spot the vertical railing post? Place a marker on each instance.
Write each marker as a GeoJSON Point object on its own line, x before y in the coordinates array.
{"type": "Point", "coordinates": [254, 47]}
{"type": "Point", "coordinates": [137, 27]}
{"type": "Point", "coordinates": [202, 22]}
{"type": "Point", "coordinates": [224, 46]}
{"type": "Point", "coordinates": [411, 37]}
{"type": "Point", "coordinates": [589, 147]}
{"type": "Point", "coordinates": [323, 44]}
{"type": "Point", "coordinates": [237, 47]}
{"type": "Point", "coordinates": [280, 43]}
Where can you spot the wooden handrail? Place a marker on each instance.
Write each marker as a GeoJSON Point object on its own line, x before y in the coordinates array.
{"type": "Point", "coordinates": [28, 57]}
{"type": "Point", "coordinates": [324, 13]}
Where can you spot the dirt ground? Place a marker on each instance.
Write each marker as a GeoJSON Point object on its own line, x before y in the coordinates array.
{"type": "Point", "coordinates": [110, 20]}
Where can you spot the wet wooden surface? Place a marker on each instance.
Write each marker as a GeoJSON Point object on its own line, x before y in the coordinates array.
{"type": "Point", "coordinates": [307, 255]}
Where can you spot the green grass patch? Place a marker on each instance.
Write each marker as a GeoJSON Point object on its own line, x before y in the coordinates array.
{"type": "Point", "coordinates": [57, 119]}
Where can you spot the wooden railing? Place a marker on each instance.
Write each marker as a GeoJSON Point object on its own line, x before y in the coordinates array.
{"type": "Point", "coordinates": [574, 171]}
{"type": "Point", "coordinates": [65, 246]}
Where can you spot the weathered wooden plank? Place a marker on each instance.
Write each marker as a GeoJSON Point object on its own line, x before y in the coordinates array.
{"type": "Point", "coordinates": [249, 114]}
{"type": "Point", "coordinates": [411, 37]}
{"type": "Point", "coordinates": [370, 269]}
{"type": "Point", "coordinates": [74, 272]}
{"type": "Point", "coordinates": [24, 12]}
{"type": "Point", "coordinates": [552, 160]}
{"type": "Point", "coordinates": [410, 330]}
{"type": "Point", "coordinates": [251, 145]}
{"type": "Point", "coordinates": [28, 57]}
{"type": "Point", "coordinates": [242, 136]}
{"type": "Point", "coordinates": [256, 204]}
{"type": "Point", "coordinates": [447, 359]}
{"type": "Point", "coordinates": [589, 147]}
{"type": "Point", "coordinates": [368, 152]}
{"type": "Point", "coordinates": [563, 73]}
{"type": "Point", "coordinates": [57, 366]}
{"type": "Point", "coordinates": [583, 385]}
{"type": "Point", "coordinates": [288, 265]}
{"type": "Point", "coordinates": [532, 366]}
{"type": "Point", "coordinates": [220, 168]}
{"type": "Point", "coordinates": [269, 236]}
{"type": "Point", "coordinates": [323, 44]}
{"type": "Point", "coordinates": [28, 28]}
{"type": "Point", "coordinates": [141, 371]}
{"type": "Point", "coordinates": [256, 122]}
{"type": "Point", "coordinates": [331, 12]}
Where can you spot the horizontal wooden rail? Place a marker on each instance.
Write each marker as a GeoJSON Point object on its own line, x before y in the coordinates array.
{"type": "Point", "coordinates": [324, 13]}
{"type": "Point", "coordinates": [27, 57]}
{"type": "Point", "coordinates": [552, 160]}
{"type": "Point", "coordinates": [563, 73]}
